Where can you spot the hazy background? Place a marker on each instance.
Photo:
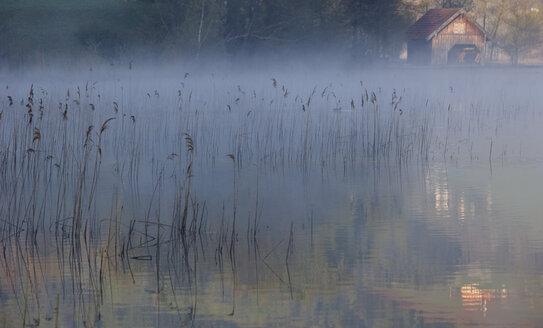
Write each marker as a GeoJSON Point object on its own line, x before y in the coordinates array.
{"type": "Point", "coordinates": [75, 32]}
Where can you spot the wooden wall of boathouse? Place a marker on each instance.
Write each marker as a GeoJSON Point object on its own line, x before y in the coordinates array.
{"type": "Point", "coordinates": [453, 34]}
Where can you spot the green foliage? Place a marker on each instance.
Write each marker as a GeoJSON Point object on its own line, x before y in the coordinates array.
{"type": "Point", "coordinates": [524, 32]}
{"type": "Point", "coordinates": [100, 40]}
{"type": "Point", "coordinates": [378, 27]}
{"type": "Point", "coordinates": [116, 29]}
{"type": "Point", "coordinates": [254, 24]}
{"type": "Point", "coordinates": [113, 30]}
{"type": "Point", "coordinates": [467, 4]}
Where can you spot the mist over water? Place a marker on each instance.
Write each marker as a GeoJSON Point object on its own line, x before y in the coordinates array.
{"type": "Point", "coordinates": [288, 195]}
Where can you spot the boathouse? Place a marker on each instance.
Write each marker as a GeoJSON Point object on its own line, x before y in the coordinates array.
{"type": "Point", "coordinates": [445, 36]}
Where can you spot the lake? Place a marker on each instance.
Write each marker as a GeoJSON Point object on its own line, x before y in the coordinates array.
{"type": "Point", "coordinates": [375, 198]}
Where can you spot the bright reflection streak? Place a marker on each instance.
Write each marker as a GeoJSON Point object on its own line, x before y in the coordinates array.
{"type": "Point", "coordinates": [475, 298]}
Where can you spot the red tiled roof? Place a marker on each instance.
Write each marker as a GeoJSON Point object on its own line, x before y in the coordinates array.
{"type": "Point", "coordinates": [430, 22]}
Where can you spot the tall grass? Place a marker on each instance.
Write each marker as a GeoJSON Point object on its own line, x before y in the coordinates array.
{"type": "Point", "coordinates": [103, 193]}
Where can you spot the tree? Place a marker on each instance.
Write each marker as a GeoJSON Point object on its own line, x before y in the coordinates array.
{"type": "Point", "coordinates": [377, 27]}
{"type": "Point", "coordinates": [491, 15]}
{"type": "Point", "coordinates": [467, 4]}
{"type": "Point", "coordinates": [244, 24]}
{"type": "Point", "coordinates": [524, 31]}
{"type": "Point", "coordinates": [204, 24]}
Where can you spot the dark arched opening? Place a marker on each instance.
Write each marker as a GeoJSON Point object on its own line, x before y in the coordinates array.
{"type": "Point", "coordinates": [464, 54]}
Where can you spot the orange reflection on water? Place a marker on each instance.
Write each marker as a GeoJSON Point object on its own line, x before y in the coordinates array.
{"type": "Point", "coordinates": [476, 299]}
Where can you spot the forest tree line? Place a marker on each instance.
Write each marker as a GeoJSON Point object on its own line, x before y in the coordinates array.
{"type": "Point", "coordinates": [366, 30]}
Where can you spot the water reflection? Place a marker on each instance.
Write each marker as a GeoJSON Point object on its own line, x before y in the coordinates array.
{"type": "Point", "coordinates": [297, 215]}
{"type": "Point", "coordinates": [381, 247]}
{"type": "Point", "coordinates": [474, 298]}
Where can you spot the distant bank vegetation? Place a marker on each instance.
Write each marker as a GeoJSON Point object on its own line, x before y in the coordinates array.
{"type": "Point", "coordinates": [368, 31]}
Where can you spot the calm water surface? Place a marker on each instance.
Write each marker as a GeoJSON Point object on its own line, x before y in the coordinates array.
{"type": "Point", "coordinates": [384, 246]}
{"type": "Point", "coordinates": [450, 238]}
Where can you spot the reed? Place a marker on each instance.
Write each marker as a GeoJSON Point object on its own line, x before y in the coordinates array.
{"type": "Point", "coordinates": [115, 171]}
